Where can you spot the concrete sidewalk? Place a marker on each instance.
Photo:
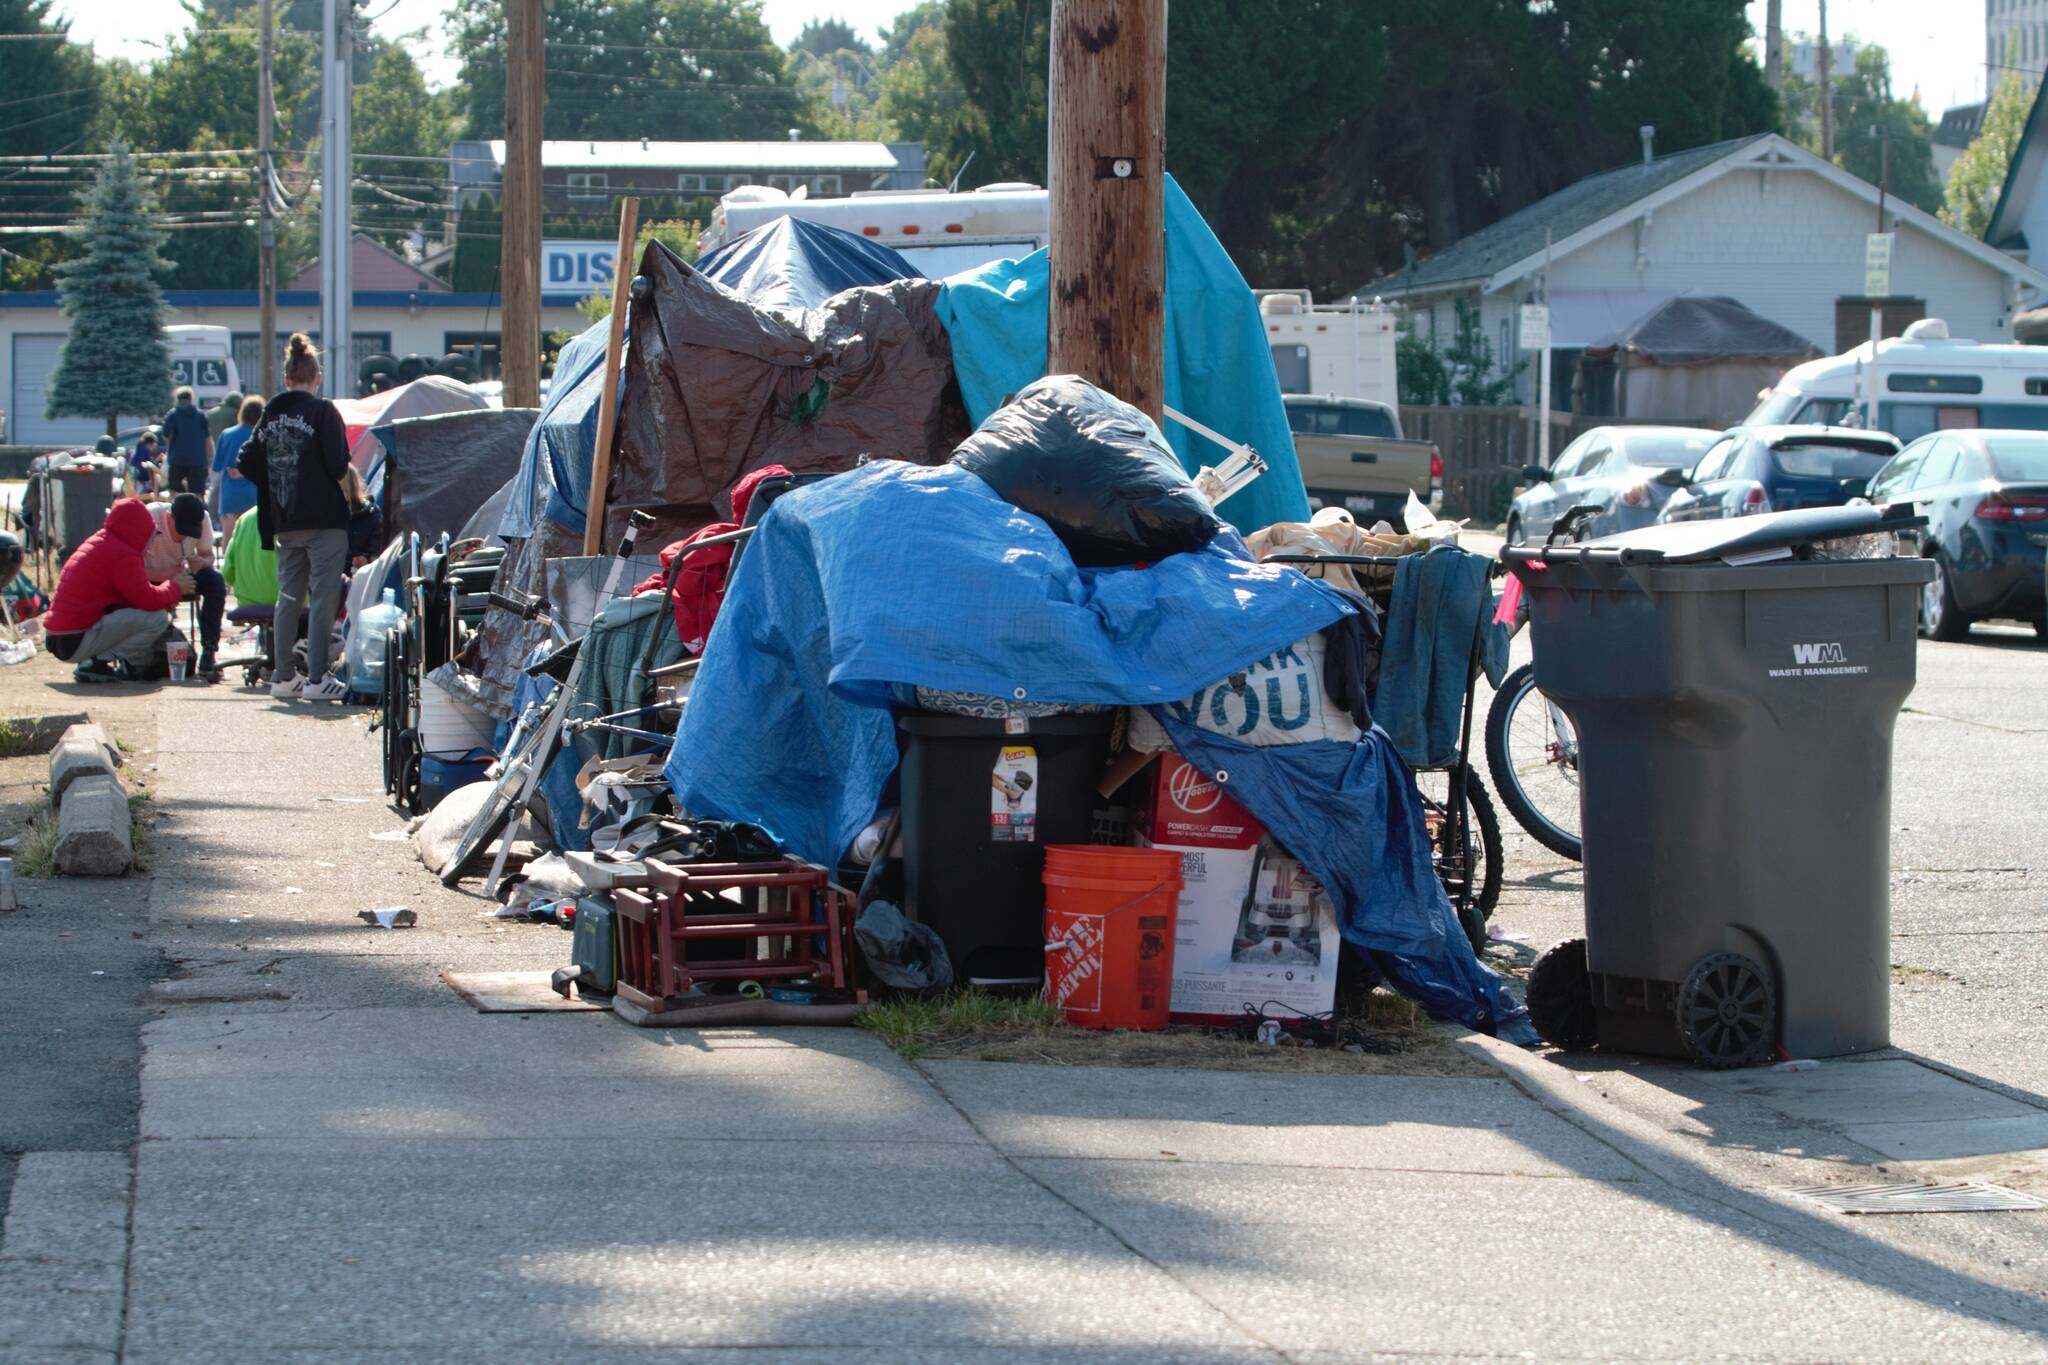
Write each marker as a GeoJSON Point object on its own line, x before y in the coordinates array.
{"type": "Point", "coordinates": [341, 1161]}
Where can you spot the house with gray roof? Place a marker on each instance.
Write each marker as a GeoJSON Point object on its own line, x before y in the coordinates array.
{"type": "Point", "coordinates": [1759, 219]}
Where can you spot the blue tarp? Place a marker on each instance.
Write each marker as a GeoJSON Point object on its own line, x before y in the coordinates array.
{"type": "Point", "coordinates": [558, 450]}
{"type": "Point", "coordinates": [1219, 364]}
{"type": "Point", "coordinates": [792, 264]}
{"type": "Point", "coordinates": [788, 725]}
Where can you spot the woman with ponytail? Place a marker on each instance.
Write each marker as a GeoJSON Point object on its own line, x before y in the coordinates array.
{"type": "Point", "coordinates": [297, 458]}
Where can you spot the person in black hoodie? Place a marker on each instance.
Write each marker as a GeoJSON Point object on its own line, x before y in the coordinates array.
{"type": "Point", "coordinates": [297, 458]}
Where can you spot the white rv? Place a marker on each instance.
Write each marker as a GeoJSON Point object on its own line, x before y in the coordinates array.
{"type": "Point", "coordinates": [1923, 381]}
{"type": "Point", "coordinates": [1344, 350]}
{"type": "Point", "coordinates": [938, 232]}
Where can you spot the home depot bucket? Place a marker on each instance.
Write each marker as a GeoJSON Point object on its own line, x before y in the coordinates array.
{"type": "Point", "coordinates": [1109, 916]}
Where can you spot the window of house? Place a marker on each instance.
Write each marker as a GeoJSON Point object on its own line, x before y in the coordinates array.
{"type": "Point", "coordinates": [588, 187]}
{"type": "Point", "coordinates": [733, 182]}
{"type": "Point", "coordinates": [783, 182]}
{"type": "Point", "coordinates": [825, 184]}
{"type": "Point", "coordinates": [694, 184]}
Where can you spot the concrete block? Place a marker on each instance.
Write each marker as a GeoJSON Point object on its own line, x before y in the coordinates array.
{"type": "Point", "coordinates": [82, 752]}
{"type": "Point", "coordinates": [83, 729]}
{"type": "Point", "coordinates": [92, 829]}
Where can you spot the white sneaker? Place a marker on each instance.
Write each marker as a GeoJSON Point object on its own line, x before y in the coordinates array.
{"type": "Point", "coordinates": [288, 689]}
{"type": "Point", "coordinates": [329, 688]}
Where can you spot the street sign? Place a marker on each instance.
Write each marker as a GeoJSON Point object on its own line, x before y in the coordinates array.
{"type": "Point", "coordinates": [1535, 326]}
{"type": "Point", "coordinates": [1877, 265]}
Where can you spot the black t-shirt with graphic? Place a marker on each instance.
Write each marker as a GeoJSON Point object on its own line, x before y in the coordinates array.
{"type": "Point", "coordinates": [296, 457]}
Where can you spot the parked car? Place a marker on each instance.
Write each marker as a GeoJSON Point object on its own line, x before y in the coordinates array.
{"type": "Point", "coordinates": [1774, 469]}
{"type": "Point", "coordinates": [1621, 470]}
{"type": "Point", "coordinates": [1353, 455]}
{"type": "Point", "coordinates": [1985, 496]}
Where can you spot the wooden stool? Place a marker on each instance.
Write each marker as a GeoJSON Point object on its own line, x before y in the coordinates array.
{"type": "Point", "coordinates": [785, 908]}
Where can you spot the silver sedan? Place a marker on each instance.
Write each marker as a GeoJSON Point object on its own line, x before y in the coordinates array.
{"type": "Point", "coordinates": [1624, 471]}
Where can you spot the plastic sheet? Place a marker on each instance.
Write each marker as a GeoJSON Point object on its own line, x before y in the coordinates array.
{"type": "Point", "coordinates": [790, 264]}
{"type": "Point", "coordinates": [437, 471]}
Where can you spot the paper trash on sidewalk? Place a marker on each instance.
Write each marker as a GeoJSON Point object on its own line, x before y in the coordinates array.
{"type": "Point", "coordinates": [392, 917]}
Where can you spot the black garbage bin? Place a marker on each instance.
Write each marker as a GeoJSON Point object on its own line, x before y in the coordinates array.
{"type": "Point", "coordinates": [981, 800]}
{"type": "Point", "coordinates": [1734, 690]}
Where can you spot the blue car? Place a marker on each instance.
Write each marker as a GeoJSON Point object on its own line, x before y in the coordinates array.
{"type": "Point", "coordinates": [1985, 497]}
{"type": "Point", "coordinates": [1775, 469]}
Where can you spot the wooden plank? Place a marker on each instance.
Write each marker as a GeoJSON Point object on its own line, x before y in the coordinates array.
{"type": "Point", "coordinates": [608, 403]}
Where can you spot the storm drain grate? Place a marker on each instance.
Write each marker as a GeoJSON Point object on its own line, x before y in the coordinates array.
{"type": "Point", "coordinates": [1968, 1197]}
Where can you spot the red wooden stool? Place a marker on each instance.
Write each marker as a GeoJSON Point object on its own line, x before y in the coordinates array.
{"type": "Point", "coordinates": [784, 909]}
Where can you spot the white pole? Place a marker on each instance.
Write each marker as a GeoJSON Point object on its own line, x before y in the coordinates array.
{"type": "Point", "coordinates": [1870, 371]}
{"type": "Point", "coordinates": [337, 49]}
{"type": "Point", "coordinates": [1543, 376]}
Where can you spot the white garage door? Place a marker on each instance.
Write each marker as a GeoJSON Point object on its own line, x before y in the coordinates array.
{"type": "Point", "coordinates": [35, 360]}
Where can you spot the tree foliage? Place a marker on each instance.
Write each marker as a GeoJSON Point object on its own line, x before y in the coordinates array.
{"type": "Point", "coordinates": [115, 359]}
{"type": "Point", "coordinates": [394, 115]}
{"type": "Point", "coordinates": [1881, 139]}
{"type": "Point", "coordinates": [678, 69]}
{"type": "Point", "coordinates": [829, 37]}
{"type": "Point", "coordinates": [1979, 174]}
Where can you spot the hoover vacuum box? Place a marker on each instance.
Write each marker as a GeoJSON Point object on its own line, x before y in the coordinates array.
{"type": "Point", "coordinates": [1184, 807]}
{"type": "Point", "coordinates": [1253, 930]}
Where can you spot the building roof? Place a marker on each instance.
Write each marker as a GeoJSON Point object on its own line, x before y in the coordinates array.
{"type": "Point", "coordinates": [1959, 125]}
{"type": "Point", "coordinates": [1571, 209]}
{"type": "Point", "coordinates": [710, 156]}
{"type": "Point", "coordinates": [374, 267]}
{"type": "Point", "coordinates": [1700, 329]}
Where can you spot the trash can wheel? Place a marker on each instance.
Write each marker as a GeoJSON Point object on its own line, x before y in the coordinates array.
{"type": "Point", "coordinates": [1560, 996]}
{"type": "Point", "coordinates": [1727, 1011]}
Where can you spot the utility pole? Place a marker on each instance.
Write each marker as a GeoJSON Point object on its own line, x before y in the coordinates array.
{"type": "Point", "coordinates": [1774, 43]}
{"type": "Point", "coordinates": [337, 87]}
{"type": "Point", "coordinates": [1106, 150]}
{"type": "Point", "coordinates": [519, 247]}
{"type": "Point", "coordinates": [1827, 102]}
{"type": "Point", "coordinates": [266, 232]}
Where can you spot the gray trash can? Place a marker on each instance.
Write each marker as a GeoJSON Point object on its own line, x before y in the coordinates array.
{"type": "Point", "coordinates": [81, 496]}
{"type": "Point", "coordinates": [1734, 691]}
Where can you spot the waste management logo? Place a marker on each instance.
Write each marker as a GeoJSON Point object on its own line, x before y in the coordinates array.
{"type": "Point", "coordinates": [1819, 659]}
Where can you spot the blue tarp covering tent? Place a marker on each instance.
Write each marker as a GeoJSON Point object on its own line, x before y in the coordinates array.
{"type": "Point", "coordinates": [1219, 365]}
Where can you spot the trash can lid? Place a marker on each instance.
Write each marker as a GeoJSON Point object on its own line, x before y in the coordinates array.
{"type": "Point", "coordinates": [1735, 540]}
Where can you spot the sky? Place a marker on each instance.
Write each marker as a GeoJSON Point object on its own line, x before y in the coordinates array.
{"type": "Point", "coordinates": [1936, 46]}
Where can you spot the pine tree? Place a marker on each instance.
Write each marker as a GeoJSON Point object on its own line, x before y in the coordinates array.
{"type": "Point", "coordinates": [115, 359]}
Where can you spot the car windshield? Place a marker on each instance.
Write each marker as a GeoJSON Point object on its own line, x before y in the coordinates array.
{"type": "Point", "coordinates": [1811, 460]}
{"type": "Point", "coordinates": [2018, 460]}
{"type": "Point", "coordinates": [1672, 450]}
{"type": "Point", "coordinates": [1774, 408]}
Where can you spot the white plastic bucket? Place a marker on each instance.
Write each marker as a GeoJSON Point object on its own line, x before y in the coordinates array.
{"type": "Point", "coordinates": [447, 726]}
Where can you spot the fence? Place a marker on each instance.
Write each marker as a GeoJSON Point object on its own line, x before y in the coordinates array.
{"type": "Point", "coordinates": [1484, 449]}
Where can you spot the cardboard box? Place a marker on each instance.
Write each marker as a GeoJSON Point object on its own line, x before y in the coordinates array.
{"type": "Point", "coordinates": [1187, 808]}
{"type": "Point", "coordinates": [1275, 950]}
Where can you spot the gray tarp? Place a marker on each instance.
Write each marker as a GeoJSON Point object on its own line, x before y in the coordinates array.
{"type": "Point", "coordinates": [437, 471]}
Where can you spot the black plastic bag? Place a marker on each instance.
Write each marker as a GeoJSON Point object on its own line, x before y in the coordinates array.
{"type": "Point", "coordinates": [1093, 468]}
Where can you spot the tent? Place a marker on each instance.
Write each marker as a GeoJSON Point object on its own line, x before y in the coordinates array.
{"type": "Point", "coordinates": [433, 473]}
{"type": "Point", "coordinates": [422, 398]}
{"type": "Point", "coordinates": [1693, 358]}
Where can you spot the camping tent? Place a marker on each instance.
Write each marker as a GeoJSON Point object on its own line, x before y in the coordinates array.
{"type": "Point", "coordinates": [1693, 358]}
{"type": "Point", "coordinates": [422, 398]}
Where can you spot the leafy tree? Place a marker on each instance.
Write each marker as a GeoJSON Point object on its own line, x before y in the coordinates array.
{"type": "Point", "coordinates": [1468, 361]}
{"type": "Point", "coordinates": [1423, 377]}
{"type": "Point", "coordinates": [1978, 177]}
{"type": "Point", "coordinates": [115, 358]}
{"type": "Point", "coordinates": [920, 99]}
{"type": "Point", "coordinates": [998, 51]}
{"type": "Point", "coordinates": [1881, 139]}
{"type": "Point", "coordinates": [479, 228]}
{"type": "Point", "coordinates": [828, 37]}
{"type": "Point", "coordinates": [636, 68]}
{"type": "Point", "coordinates": [393, 113]}
{"type": "Point", "coordinates": [52, 90]}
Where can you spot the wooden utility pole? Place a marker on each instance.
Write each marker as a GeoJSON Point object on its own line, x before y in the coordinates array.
{"type": "Point", "coordinates": [519, 253]}
{"type": "Point", "coordinates": [1827, 102]}
{"type": "Point", "coordinates": [608, 401]}
{"type": "Point", "coordinates": [1105, 153]}
{"type": "Point", "coordinates": [266, 198]}
{"type": "Point", "coordinates": [1774, 43]}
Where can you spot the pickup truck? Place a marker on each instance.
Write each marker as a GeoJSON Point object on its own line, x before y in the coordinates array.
{"type": "Point", "coordinates": [1352, 455]}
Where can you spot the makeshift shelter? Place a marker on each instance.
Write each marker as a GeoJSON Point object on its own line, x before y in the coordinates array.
{"type": "Point", "coordinates": [422, 398]}
{"type": "Point", "coordinates": [433, 473]}
{"type": "Point", "coordinates": [1692, 358]}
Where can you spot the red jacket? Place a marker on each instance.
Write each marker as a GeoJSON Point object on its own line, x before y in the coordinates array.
{"type": "Point", "coordinates": [700, 583]}
{"type": "Point", "coordinates": [106, 573]}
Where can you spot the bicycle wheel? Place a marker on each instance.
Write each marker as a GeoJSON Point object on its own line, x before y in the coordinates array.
{"type": "Point", "coordinates": [1469, 868]}
{"type": "Point", "coordinates": [532, 744]}
{"type": "Point", "coordinates": [1533, 753]}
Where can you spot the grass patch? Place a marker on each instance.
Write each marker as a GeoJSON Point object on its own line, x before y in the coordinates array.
{"type": "Point", "coordinates": [917, 1028]}
{"type": "Point", "coordinates": [17, 737]}
{"type": "Point", "coordinates": [141, 838]}
{"type": "Point", "coordinates": [36, 854]}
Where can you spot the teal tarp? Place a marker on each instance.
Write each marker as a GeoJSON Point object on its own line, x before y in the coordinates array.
{"type": "Point", "coordinates": [1219, 365]}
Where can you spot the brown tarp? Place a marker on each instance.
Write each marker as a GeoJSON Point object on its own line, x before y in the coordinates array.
{"type": "Point", "coordinates": [715, 387]}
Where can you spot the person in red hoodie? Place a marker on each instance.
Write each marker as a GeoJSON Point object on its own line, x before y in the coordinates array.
{"type": "Point", "coordinates": [107, 614]}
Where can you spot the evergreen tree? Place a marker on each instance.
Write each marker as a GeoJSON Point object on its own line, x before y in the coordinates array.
{"type": "Point", "coordinates": [115, 359]}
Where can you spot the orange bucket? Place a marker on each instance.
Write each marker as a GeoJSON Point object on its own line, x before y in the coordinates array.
{"type": "Point", "coordinates": [1109, 925]}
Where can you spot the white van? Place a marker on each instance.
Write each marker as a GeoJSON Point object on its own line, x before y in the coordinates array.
{"type": "Point", "coordinates": [938, 232]}
{"type": "Point", "coordinates": [204, 358]}
{"type": "Point", "coordinates": [1923, 381]}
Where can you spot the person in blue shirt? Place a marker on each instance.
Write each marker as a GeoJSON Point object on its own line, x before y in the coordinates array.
{"type": "Point", "coordinates": [188, 444]}
{"type": "Point", "coordinates": [145, 462]}
{"type": "Point", "coordinates": [233, 492]}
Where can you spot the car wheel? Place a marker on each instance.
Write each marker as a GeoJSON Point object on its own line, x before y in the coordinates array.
{"type": "Point", "coordinates": [1940, 617]}
{"type": "Point", "coordinates": [1513, 531]}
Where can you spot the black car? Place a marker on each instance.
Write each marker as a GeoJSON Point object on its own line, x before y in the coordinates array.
{"type": "Point", "coordinates": [1985, 497]}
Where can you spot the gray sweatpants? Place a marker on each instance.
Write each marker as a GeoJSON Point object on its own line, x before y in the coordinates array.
{"type": "Point", "coordinates": [307, 561]}
{"type": "Point", "coordinates": [126, 633]}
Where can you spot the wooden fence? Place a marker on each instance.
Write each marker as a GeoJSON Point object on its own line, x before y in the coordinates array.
{"type": "Point", "coordinates": [1484, 449]}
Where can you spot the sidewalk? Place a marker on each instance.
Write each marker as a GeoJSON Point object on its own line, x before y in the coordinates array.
{"type": "Point", "coordinates": [341, 1161]}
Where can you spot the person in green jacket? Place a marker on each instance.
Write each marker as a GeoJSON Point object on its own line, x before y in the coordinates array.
{"type": "Point", "coordinates": [251, 570]}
